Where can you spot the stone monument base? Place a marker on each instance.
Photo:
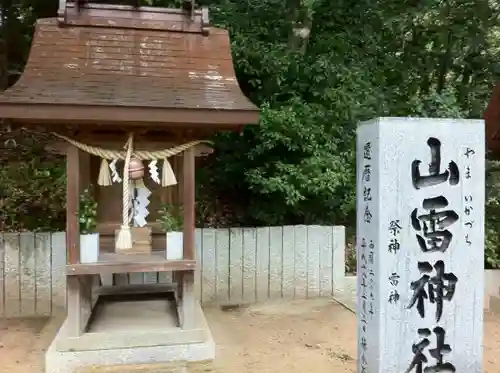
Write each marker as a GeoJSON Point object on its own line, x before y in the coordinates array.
{"type": "Point", "coordinates": [129, 334]}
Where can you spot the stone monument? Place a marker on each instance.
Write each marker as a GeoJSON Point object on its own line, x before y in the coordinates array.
{"type": "Point", "coordinates": [420, 245]}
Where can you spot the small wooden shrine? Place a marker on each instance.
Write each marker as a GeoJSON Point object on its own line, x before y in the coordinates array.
{"type": "Point", "coordinates": [129, 94]}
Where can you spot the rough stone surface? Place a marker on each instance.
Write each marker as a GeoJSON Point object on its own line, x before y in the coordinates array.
{"type": "Point", "coordinates": [68, 362]}
{"type": "Point", "coordinates": [391, 260]}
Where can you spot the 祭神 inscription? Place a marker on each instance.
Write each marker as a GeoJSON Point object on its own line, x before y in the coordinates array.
{"type": "Point", "coordinates": [394, 246]}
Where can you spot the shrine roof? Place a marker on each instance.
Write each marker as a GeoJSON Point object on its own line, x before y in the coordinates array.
{"type": "Point", "coordinates": [128, 71]}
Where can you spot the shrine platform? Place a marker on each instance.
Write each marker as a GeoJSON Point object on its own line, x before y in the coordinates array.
{"type": "Point", "coordinates": [140, 328]}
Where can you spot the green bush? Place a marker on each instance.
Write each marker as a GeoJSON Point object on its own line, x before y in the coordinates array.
{"type": "Point", "coordinates": [171, 218]}
{"type": "Point", "coordinates": [32, 184]}
{"type": "Point", "coordinates": [88, 212]}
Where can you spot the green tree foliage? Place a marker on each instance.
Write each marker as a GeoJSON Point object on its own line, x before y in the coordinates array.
{"type": "Point", "coordinates": [316, 69]}
{"type": "Point", "coordinates": [32, 184]}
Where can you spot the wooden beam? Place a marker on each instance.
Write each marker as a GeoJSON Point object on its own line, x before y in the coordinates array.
{"type": "Point", "coordinates": [189, 204]}
{"type": "Point", "coordinates": [113, 290]}
{"type": "Point", "coordinates": [123, 117]}
{"type": "Point", "coordinates": [72, 204]}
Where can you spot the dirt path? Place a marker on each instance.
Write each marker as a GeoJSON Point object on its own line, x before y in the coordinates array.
{"type": "Point", "coordinates": [22, 345]}
{"type": "Point", "coordinates": [301, 336]}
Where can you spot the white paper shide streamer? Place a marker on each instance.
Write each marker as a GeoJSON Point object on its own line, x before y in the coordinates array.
{"type": "Point", "coordinates": [141, 206]}
{"type": "Point", "coordinates": [153, 171]}
{"type": "Point", "coordinates": [139, 198]}
{"type": "Point", "coordinates": [115, 177]}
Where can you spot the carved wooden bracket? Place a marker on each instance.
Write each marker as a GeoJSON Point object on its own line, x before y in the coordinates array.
{"type": "Point", "coordinates": [84, 13]}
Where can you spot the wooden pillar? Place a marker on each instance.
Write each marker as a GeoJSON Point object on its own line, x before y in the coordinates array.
{"type": "Point", "coordinates": [189, 204]}
{"type": "Point", "coordinates": [79, 288]}
{"type": "Point", "coordinates": [186, 279]}
{"type": "Point", "coordinates": [80, 303]}
{"type": "Point", "coordinates": [186, 299]}
{"type": "Point", "coordinates": [72, 204]}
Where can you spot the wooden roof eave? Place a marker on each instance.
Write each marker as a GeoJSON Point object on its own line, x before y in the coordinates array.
{"type": "Point", "coordinates": [54, 114]}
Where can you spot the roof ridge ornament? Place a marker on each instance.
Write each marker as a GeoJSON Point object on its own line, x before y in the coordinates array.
{"type": "Point", "coordinates": [84, 13]}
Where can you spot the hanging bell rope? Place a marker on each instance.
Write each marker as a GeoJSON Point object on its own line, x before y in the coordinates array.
{"type": "Point", "coordinates": [124, 239]}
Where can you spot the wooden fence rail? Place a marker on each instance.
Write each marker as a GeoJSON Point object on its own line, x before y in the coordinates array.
{"type": "Point", "coordinates": [237, 265]}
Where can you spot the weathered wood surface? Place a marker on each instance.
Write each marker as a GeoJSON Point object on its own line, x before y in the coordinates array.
{"type": "Point", "coordinates": [237, 265]}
